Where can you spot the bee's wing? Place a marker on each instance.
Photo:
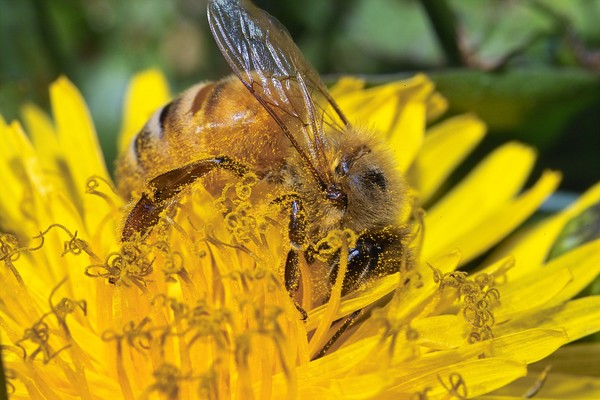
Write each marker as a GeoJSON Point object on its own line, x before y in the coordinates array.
{"type": "Point", "coordinates": [263, 55]}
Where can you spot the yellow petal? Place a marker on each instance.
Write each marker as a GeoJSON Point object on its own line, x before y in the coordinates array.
{"type": "Point", "coordinates": [479, 196]}
{"type": "Point", "coordinates": [436, 106]}
{"type": "Point", "coordinates": [563, 386]}
{"type": "Point", "coordinates": [356, 300]}
{"type": "Point", "coordinates": [578, 318]}
{"type": "Point", "coordinates": [76, 134]}
{"type": "Point", "coordinates": [530, 293]}
{"type": "Point", "coordinates": [528, 346]}
{"type": "Point", "coordinates": [42, 133]}
{"type": "Point", "coordinates": [573, 374]}
{"type": "Point", "coordinates": [406, 134]}
{"type": "Point", "coordinates": [441, 332]}
{"type": "Point", "coordinates": [83, 158]}
{"type": "Point", "coordinates": [584, 264]}
{"type": "Point", "coordinates": [550, 284]}
{"type": "Point", "coordinates": [321, 372]}
{"type": "Point", "coordinates": [13, 178]}
{"type": "Point", "coordinates": [509, 216]}
{"type": "Point", "coordinates": [147, 92]}
{"type": "Point", "coordinates": [383, 118]}
{"type": "Point", "coordinates": [478, 377]}
{"type": "Point", "coordinates": [532, 245]}
{"type": "Point", "coordinates": [360, 104]}
{"type": "Point", "coordinates": [33, 198]}
{"type": "Point", "coordinates": [435, 162]}
{"type": "Point", "coordinates": [345, 86]}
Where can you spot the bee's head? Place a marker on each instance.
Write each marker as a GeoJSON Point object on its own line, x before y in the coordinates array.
{"type": "Point", "coordinates": [367, 186]}
{"type": "Point", "coordinates": [365, 189]}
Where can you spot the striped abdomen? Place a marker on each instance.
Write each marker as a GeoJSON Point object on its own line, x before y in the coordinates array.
{"type": "Point", "coordinates": [209, 119]}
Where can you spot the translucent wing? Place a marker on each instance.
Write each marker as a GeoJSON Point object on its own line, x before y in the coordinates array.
{"type": "Point", "coordinates": [263, 55]}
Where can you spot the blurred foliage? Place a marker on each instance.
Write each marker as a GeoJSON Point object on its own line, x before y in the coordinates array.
{"type": "Point", "coordinates": [529, 68]}
{"type": "Point", "coordinates": [582, 229]}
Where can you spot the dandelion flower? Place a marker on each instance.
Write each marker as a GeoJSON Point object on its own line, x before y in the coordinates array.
{"type": "Point", "coordinates": [198, 310]}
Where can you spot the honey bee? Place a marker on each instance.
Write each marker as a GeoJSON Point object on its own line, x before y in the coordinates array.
{"type": "Point", "coordinates": [273, 117]}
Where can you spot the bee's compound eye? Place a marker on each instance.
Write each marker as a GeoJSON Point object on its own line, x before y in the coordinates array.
{"type": "Point", "coordinates": [375, 177]}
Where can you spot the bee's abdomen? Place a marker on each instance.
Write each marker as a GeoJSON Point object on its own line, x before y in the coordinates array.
{"type": "Point", "coordinates": [209, 119]}
{"type": "Point", "coordinates": [154, 148]}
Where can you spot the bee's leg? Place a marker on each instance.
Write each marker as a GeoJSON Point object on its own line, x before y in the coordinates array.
{"type": "Point", "coordinates": [297, 236]}
{"type": "Point", "coordinates": [376, 253]}
{"type": "Point", "coordinates": [292, 279]}
{"type": "Point", "coordinates": [347, 324]}
{"type": "Point", "coordinates": [145, 214]}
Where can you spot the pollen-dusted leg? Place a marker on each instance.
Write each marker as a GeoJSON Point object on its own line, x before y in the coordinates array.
{"type": "Point", "coordinates": [376, 253]}
{"type": "Point", "coordinates": [297, 236]}
{"type": "Point", "coordinates": [145, 214]}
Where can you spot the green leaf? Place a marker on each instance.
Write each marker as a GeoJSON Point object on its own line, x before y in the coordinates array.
{"type": "Point", "coordinates": [534, 103]}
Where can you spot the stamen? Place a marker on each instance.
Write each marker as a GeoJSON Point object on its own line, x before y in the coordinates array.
{"type": "Point", "coordinates": [65, 306]}
{"type": "Point", "coordinates": [204, 324]}
{"type": "Point", "coordinates": [422, 395]}
{"type": "Point", "coordinates": [479, 298]}
{"type": "Point", "coordinates": [39, 334]}
{"type": "Point", "coordinates": [318, 340]}
{"type": "Point", "coordinates": [241, 219]}
{"type": "Point", "coordinates": [91, 187]}
{"type": "Point", "coordinates": [10, 253]}
{"type": "Point", "coordinates": [138, 337]}
{"type": "Point", "coordinates": [129, 266]}
{"type": "Point", "coordinates": [168, 378]}
{"type": "Point", "coordinates": [243, 189]}
{"type": "Point", "coordinates": [9, 250]}
{"type": "Point", "coordinates": [455, 385]}
{"type": "Point", "coordinates": [265, 323]}
{"type": "Point", "coordinates": [9, 374]}
{"type": "Point", "coordinates": [245, 277]}
{"type": "Point", "coordinates": [208, 385]}
{"type": "Point", "coordinates": [172, 262]}
{"type": "Point", "coordinates": [333, 242]}
{"type": "Point", "coordinates": [74, 246]}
